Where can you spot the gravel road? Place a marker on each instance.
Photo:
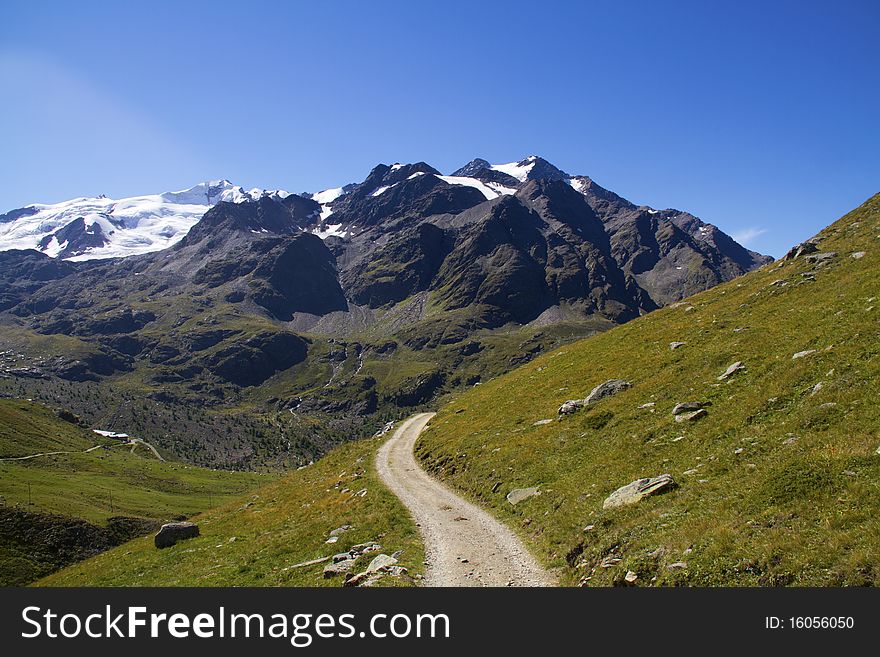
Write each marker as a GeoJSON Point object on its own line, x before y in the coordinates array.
{"type": "Point", "coordinates": [465, 546]}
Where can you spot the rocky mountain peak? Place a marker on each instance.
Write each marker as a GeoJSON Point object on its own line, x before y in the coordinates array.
{"type": "Point", "coordinates": [473, 167]}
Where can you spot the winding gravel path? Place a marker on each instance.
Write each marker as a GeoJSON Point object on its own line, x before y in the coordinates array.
{"type": "Point", "coordinates": [465, 546]}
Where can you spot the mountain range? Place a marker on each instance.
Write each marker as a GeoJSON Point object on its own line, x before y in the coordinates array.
{"type": "Point", "coordinates": [352, 302]}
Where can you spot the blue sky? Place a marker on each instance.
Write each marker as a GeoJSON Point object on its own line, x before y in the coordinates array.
{"type": "Point", "coordinates": [760, 117]}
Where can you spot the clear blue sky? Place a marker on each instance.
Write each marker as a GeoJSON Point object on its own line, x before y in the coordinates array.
{"type": "Point", "coordinates": [760, 117]}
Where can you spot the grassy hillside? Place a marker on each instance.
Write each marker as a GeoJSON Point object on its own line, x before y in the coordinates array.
{"type": "Point", "coordinates": [258, 539]}
{"type": "Point", "coordinates": [70, 499]}
{"type": "Point", "coordinates": [779, 484]}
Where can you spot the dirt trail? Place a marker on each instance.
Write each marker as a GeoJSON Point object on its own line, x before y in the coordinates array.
{"type": "Point", "coordinates": [465, 546]}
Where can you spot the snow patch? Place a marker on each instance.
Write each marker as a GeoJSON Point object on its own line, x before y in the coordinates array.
{"type": "Point", "coordinates": [330, 230]}
{"type": "Point", "coordinates": [328, 195]}
{"type": "Point", "coordinates": [516, 169]}
{"type": "Point", "coordinates": [487, 191]}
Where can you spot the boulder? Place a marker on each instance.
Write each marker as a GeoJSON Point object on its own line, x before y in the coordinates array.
{"type": "Point", "coordinates": [638, 490]}
{"type": "Point", "coordinates": [801, 249]}
{"type": "Point", "coordinates": [821, 258]}
{"type": "Point", "coordinates": [571, 406]}
{"type": "Point", "coordinates": [607, 389]}
{"type": "Point", "coordinates": [693, 415]}
{"type": "Point", "coordinates": [675, 345]}
{"type": "Point", "coordinates": [362, 579]}
{"type": "Point", "coordinates": [857, 255]}
{"type": "Point", "coordinates": [517, 495]}
{"type": "Point", "coordinates": [803, 354]}
{"type": "Point", "coordinates": [380, 563]}
{"type": "Point", "coordinates": [686, 407]}
{"type": "Point", "coordinates": [730, 371]}
{"type": "Point", "coordinates": [338, 568]}
{"type": "Point", "coordinates": [173, 532]}
{"type": "Point", "coordinates": [340, 530]}
{"type": "Point", "coordinates": [363, 548]}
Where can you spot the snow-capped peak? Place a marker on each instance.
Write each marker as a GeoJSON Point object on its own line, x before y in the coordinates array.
{"type": "Point", "coordinates": [100, 227]}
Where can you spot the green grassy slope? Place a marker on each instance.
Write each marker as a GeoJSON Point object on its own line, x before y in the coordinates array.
{"type": "Point", "coordinates": [778, 485]}
{"type": "Point", "coordinates": [255, 540]}
{"type": "Point", "coordinates": [59, 507]}
{"type": "Point", "coordinates": [83, 485]}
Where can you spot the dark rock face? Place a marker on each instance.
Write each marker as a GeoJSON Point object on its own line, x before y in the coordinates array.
{"type": "Point", "coordinates": [22, 273]}
{"type": "Point", "coordinates": [77, 238]}
{"type": "Point", "coordinates": [497, 262]}
{"type": "Point", "coordinates": [405, 265]}
{"type": "Point", "coordinates": [266, 216]}
{"type": "Point", "coordinates": [298, 275]}
{"type": "Point", "coordinates": [252, 361]}
{"type": "Point", "coordinates": [422, 196]}
{"type": "Point", "coordinates": [92, 366]}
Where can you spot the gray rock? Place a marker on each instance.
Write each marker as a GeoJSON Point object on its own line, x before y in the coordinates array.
{"type": "Point", "coordinates": [542, 422]}
{"type": "Point", "coordinates": [571, 406]}
{"type": "Point", "coordinates": [730, 371]}
{"type": "Point", "coordinates": [630, 577]}
{"type": "Point", "coordinates": [816, 389]}
{"type": "Point", "coordinates": [678, 565]}
{"type": "Point", "coordinates": [686, 407]}
{"type": "Point", "coordinates": [381, 562]}
{"type": "Point", "coordinates": [638, 490]}
{"type": "Point", "coordinates": [517, 495]}
{"type": "Point", "coordinates": [342, 556]}
{"type": "Point", "coordinates": [857, 255]}
{"type": "Point", "coordinates": [363, 548]}
{"type": "Point", "coordinates": [821, 258]}
{"type": "Point", "coordinates": [801, 249]}
{"type": "Point", "coordinates": [173, 532]}
{"type": "Point", "coordinates": [362, 579]}
{"type": "Point", "coordinates": [607, 389]}
{"type": "Point", "coordinates": [693, 415]}
{"type": "Point", "coordinates": [803, 354]}
{"type": "Point", "coordinates": [341, 530]}
{"type": "Point", "coordinates": [338, 568]}
{"type": "Point", "coordinates": [675, 345]}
